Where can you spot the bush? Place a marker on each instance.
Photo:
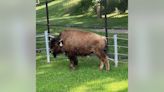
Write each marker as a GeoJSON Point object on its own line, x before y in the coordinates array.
{"type": "Point", "coordinates": [82, 7]}
{"type": "Point", "coordinates": [121, 5]}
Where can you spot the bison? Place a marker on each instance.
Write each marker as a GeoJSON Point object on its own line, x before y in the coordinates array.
{"type": "Point", "coordinates": [74, 42]}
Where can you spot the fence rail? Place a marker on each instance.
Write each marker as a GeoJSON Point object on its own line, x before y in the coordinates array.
{"type": "Point", "coordinates": [119, 46]}
{"type": "Point", "coordinates": [79, 26]}
{"type": "Point", "coordinates": [120, 54]}
{"type": "Point", "coordinates": [40, 49]}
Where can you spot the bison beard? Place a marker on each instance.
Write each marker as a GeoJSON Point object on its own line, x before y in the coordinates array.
{"type": "Point", "coordinates": [74, 42]}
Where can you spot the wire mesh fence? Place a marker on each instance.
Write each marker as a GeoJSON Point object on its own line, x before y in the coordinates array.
{"type": "Point", "coordinates": [122, 49]}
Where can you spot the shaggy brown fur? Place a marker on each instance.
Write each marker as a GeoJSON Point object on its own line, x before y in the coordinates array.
{"type": "Point", "coordinates": [74, 42]}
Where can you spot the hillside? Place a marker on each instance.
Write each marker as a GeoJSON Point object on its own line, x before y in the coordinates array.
{"type": "Point", "coordinates": [75, 12]}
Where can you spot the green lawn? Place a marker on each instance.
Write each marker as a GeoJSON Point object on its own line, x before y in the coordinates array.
{"type": "Point", "coordinates": [57, 77]}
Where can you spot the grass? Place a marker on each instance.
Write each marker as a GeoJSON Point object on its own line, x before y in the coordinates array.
{"type": "Point", "coordinates": [57, 77]}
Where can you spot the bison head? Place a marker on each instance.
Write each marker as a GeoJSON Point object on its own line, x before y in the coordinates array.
{"type": "Point", "coordinates": [56, 46]}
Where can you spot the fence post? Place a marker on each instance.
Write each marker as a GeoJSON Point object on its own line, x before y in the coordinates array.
{"type": "Point", "coordinates": [47, 46]}
{"type": "Point", "coordinates": [47, 16]}
{"type": "Point", "coordinates": [115, 50]}
{"type": "Point", "coordinates": [106, 25]}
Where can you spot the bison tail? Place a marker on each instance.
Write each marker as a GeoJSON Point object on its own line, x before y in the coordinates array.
{"type": "Point", "coordinates": [105, 39]}
{"type": "Point", "coordinates": [105, 44]}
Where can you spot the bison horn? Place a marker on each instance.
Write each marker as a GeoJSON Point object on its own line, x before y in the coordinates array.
{"type": "Point", "coordinates": [51, 36]}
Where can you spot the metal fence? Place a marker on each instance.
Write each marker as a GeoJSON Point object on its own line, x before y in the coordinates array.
{"type": "Point", "coordinates": [115, 46]}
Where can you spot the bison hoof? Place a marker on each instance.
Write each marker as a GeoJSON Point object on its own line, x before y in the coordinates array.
{"type": "Point", "coordinates": [100, 69]}
{"type": "Point", "coordinates": [107, 69]}
{"type": "Point", "coordinates": [101, 66]}
{"type": "Point", "coordinates": [72, 67]}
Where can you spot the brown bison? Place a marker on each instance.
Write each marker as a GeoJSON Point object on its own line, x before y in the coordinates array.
{"type": "Point", "coordinates": [74, 42]}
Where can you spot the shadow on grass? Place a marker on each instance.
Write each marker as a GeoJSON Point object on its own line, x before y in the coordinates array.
{"type": "Point", "coordinates": [87, 78]}
{"type": "Point", "coordinates": [82, 21]}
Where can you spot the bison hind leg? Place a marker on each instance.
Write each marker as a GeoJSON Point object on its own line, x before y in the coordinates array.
{"type": "Point", "coordinates": [107, 65]}
{"type": "Point", "coordinates": [101, 65]}
{"type": "Point", "coordinates": [103, 59]}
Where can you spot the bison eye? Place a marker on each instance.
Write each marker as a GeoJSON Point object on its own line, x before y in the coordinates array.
{"type": "Point", "coordinates": [60, 44]}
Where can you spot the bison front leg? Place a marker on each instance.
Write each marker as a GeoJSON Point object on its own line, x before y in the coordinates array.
{"type": "Point", "coordinates": [101, 65]}
{"type": "Point", "coordinates": [73, 62]}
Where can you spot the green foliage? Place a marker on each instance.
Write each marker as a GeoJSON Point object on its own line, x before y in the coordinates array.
{"type": "Point", "coordinates": [82, 7]}
{"type": "Point", "coordinates": [121, 5]}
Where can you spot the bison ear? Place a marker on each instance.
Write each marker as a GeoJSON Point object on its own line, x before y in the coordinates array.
{"type": "Point", "coordinates": [61, 43]}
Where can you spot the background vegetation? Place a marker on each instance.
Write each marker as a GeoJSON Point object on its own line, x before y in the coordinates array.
{"type": "Point", "coordinates": [80, 13]}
